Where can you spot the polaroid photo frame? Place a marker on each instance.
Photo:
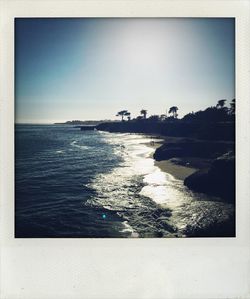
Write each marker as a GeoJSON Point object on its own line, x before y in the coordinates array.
{"type": "Point", "coordinates": [124, 268]}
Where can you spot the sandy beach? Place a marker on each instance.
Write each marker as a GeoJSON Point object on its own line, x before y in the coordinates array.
{"type": "Point", "coordinates": [180, 172]}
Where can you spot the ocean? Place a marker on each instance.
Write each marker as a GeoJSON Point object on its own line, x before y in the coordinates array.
{"type": "Point", "coordinates": [74, 184]}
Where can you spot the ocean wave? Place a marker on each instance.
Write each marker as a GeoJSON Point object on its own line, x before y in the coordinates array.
{"type": "Point", "coordinates": [137, 189]}
{"type": "Point", "coordinates": [120, 189]}
{"type": "Point", "coordinates": [128, 229]}
{"type": "Point", "coordinates": [64, 189]}
{"type": "Point", "coordinates": [60, 151]}
{"type": "Point", "coordinates": [74, 144]}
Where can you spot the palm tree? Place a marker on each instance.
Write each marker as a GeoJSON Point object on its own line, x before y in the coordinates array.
{"type": "Point", "coordinates": [221, 103]}
{"type": "Point", "coordinates": [122, 113]}
{"type": "Point", "coordinates": [173, 110]}
{"type": "Point", "coordinates": [144, 113]}
{"type": "Point", "coordinates": [128, 115]}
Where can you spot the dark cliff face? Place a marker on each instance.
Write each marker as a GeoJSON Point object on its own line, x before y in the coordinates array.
{"type": "Point", "coordinates": [175, 128]}
{"type": "Point", "coordinates": [218, 180]}
{"type": "Point", "coordinates": [131, 127]}
{"type": "Point", "coordinates": [192, 148]}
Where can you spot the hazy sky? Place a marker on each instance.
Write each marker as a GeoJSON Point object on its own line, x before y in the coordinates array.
{"type": "Point", "coordinates": [91, 68]}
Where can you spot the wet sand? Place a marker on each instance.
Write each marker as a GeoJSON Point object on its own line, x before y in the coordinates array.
{"type": "Point", "coordinates": [178, 171]}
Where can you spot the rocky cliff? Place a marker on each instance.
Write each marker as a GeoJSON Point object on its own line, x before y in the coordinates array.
{"type": "Point", "coordinates": [218, 180]}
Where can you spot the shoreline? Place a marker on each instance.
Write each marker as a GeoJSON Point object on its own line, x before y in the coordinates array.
{"type": "Point", "coordinates": [212, 173]}
{"type": "Point", "coordinates": [179, 172]}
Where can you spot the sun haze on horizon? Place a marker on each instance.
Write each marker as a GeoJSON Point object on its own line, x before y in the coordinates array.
{"type": "Point", "coordinates": [90, 68]}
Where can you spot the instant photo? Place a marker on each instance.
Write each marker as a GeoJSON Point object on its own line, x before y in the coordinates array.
{"type": "Point", "coordinates": [125, 127]}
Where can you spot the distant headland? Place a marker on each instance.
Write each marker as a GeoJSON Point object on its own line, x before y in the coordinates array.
{"type": "Point", "coordinates": [83, 122]}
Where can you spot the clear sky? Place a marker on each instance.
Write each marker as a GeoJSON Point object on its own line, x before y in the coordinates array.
{"type": "Point", "coordinates": [89, 69]}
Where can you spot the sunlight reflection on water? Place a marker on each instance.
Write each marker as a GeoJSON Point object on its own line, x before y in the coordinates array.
{"type": "Point", "coordinates": [126, 188]}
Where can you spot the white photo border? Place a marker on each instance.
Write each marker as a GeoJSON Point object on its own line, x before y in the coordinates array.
{"type": "Point", "coordinates": [124, 268]}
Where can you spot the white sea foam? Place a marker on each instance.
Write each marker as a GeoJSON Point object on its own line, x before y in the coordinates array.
{"type": "Point", "coordinates": [163, 188]}
{"type": "Point", "coordinates": [60, 152]}
{"type": "Point", "coordinates": [74, 144]}
{"type": "Point", "coordinates": [115, 185]}
{"type": "Point", "coordinates": [128, 228]}
{"type": "Point", "coordinates": [115, 189]}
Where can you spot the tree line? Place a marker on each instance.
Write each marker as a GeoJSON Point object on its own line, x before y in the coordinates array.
{"type": "Point", "coordinates": [219, 112]}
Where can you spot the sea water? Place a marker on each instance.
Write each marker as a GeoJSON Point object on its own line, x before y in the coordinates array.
{"type": "Point", "coordinates": [72, 183]}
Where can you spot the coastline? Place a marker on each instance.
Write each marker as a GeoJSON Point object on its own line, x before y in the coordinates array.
{"type": "Point", "coordinates": [179, 172]}
{"type": "Point", "coordinates": [203, 166]}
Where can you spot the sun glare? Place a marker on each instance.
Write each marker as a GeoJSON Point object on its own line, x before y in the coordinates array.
{"type": "Point", "coordinates": [143, 46]}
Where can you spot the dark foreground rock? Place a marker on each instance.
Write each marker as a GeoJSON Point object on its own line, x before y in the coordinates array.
{"type": "Point", "coordinates": [218, 180]}
{"type": "Point", "coordinates": [192, 148]}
